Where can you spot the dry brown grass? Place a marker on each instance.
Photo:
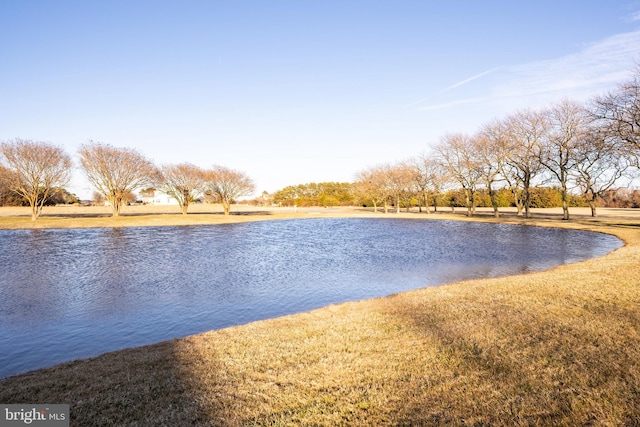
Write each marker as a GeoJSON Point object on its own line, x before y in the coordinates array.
{"type": "Point", "coordinates": [560, 347]}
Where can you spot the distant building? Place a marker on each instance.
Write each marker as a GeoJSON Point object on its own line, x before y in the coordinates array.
{"type": "Point", "coordinates": [151, 196]}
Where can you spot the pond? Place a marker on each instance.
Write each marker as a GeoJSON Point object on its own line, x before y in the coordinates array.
{"type": "Point", "coordinates": [69, 294]}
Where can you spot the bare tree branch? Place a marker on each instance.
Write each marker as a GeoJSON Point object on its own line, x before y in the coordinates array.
{"type": "Point", "coordinates": [370, 184]}
{"type": "Point", "coordinates": [567, 127]}
{"type": "Point", "coordinates": [116, 172]}
{"type": "Point", "coordinates": [227, 184]}
{"type": "Point", "coordinates": [458, 155]}
{"type": "Point", "coordinates": [525, 132]}
{"type": "Point", "coordinates": [620, 112]}
{"type": "Point", "coordinates": [37, 168]}
{"type": "Point", "coordinates": [184, 182]}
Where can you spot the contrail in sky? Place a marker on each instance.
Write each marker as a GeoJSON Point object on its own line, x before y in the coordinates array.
{"type": "Point", "coordinates": [470, 79]}
{"type": "Point", "coordinates": [460, 83]}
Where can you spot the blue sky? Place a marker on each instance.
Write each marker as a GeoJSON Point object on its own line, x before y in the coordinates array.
{"type": "Point", "coordinates": [296, 91]}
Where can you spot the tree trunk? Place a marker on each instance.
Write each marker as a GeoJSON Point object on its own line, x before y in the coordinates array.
{"type": "Point", "coordinates": [526, 201]}
{"type": "Point", "coordinates": [425, 200]}
{"type": "Point", "coordinates": [473, 204]}
{"type": "Point", "coordinates": [426, 203]}
{"type": "Point", "coordinates": [517, 200]}
{"type": "Point", "coordinates": [35, 207]}
{"type": "Point", "coordinates": [115, 207]}
{"type": "Point", "coordinates": [37, 204]}
{"type": "Point", "coordinates": [185, 202]}
{"type": "Point", "coordinates": [592, 205]}
{"type": "Point", "coordinates": [114, 202]}
{"type": "Point", "coordinates": [494, 201]}
{"type": "Point", "coordinates": [565, 203]}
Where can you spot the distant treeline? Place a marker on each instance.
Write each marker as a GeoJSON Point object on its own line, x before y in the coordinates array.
{"type": "Point", "coordinates": [59, 196]}
{"type": "Point", "coordinates": [330, 194]}
{"type": "Point", "coordinates": [569, 154]}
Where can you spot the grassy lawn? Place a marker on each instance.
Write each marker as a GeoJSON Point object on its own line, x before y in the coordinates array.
{"type": "Point", "coordinates": [559, 347]}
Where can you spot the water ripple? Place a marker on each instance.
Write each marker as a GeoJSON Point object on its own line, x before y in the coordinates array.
{"type": "Point", "coordinates": [68, 294]}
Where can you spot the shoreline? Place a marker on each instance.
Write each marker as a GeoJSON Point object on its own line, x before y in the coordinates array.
{"type": "Point", "coordinates": [12, 218]}
{"type": "Point", "coordinates": [558, 346]}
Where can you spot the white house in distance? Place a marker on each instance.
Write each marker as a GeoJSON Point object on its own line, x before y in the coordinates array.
{"type": "Point", "coordinates": [151, 196]}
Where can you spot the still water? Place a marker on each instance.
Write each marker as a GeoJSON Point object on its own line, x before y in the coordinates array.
{"type": "Point", "coordinates": [68, 294]}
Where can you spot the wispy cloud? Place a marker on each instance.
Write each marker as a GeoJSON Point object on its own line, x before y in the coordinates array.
{"type": "Point", "coordinates": [593, 70]}
{"type": "Point", "coordinates": [634, 17]}
{"type": "Point", "coordinates": [470, 79]}
{"type": "Point", "coordinates": [596, 67]}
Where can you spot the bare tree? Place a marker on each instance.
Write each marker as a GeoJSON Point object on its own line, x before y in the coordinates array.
{"type": "Point", "coordinates": [398, 179]}
{"type": "Point", "coordinates": [227, 184]}
{"type": "Point", "coordinates": [116, 172]}
{"type": "Point", "coordinates": [5, 189]}
{"type": "Point", "coordinates": [183, 182]}
{"type": "Point", "coordinates": [458, 156]}
{"type": "Point", "coordinates": [38, 168]}
{"type": "Point", "coordinates": [370, 184]}
{"type": "Point", "coordinates": [97, 199]}
{"type": "Point", "coordinates": [498, 139]}
{"type": "Point", "coordinates": [491, 147]}
{"type": "Point", "coordinates": [601, 163]}
{"type": "Point", "coordinates": [526, 130]}
{"type": "Point", "coordinates": [426, 179]}
{"type": "Point", "coordinates": [620, 112]}
{"type": "Point", "coordinates": [559, 154]}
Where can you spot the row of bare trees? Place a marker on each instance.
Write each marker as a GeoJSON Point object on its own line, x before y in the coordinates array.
{"type": "Point", "coordinates": [422, 178]}
{"type": "Point", "coordinates": [186, 183]}
{"type": "Point", "coordinates": [586, 148]}
{"type": "Point", "coordinates": [33, 170]}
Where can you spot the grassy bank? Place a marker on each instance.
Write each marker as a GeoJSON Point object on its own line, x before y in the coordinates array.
{"type": "Point", "coordinates": [560, 347]}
